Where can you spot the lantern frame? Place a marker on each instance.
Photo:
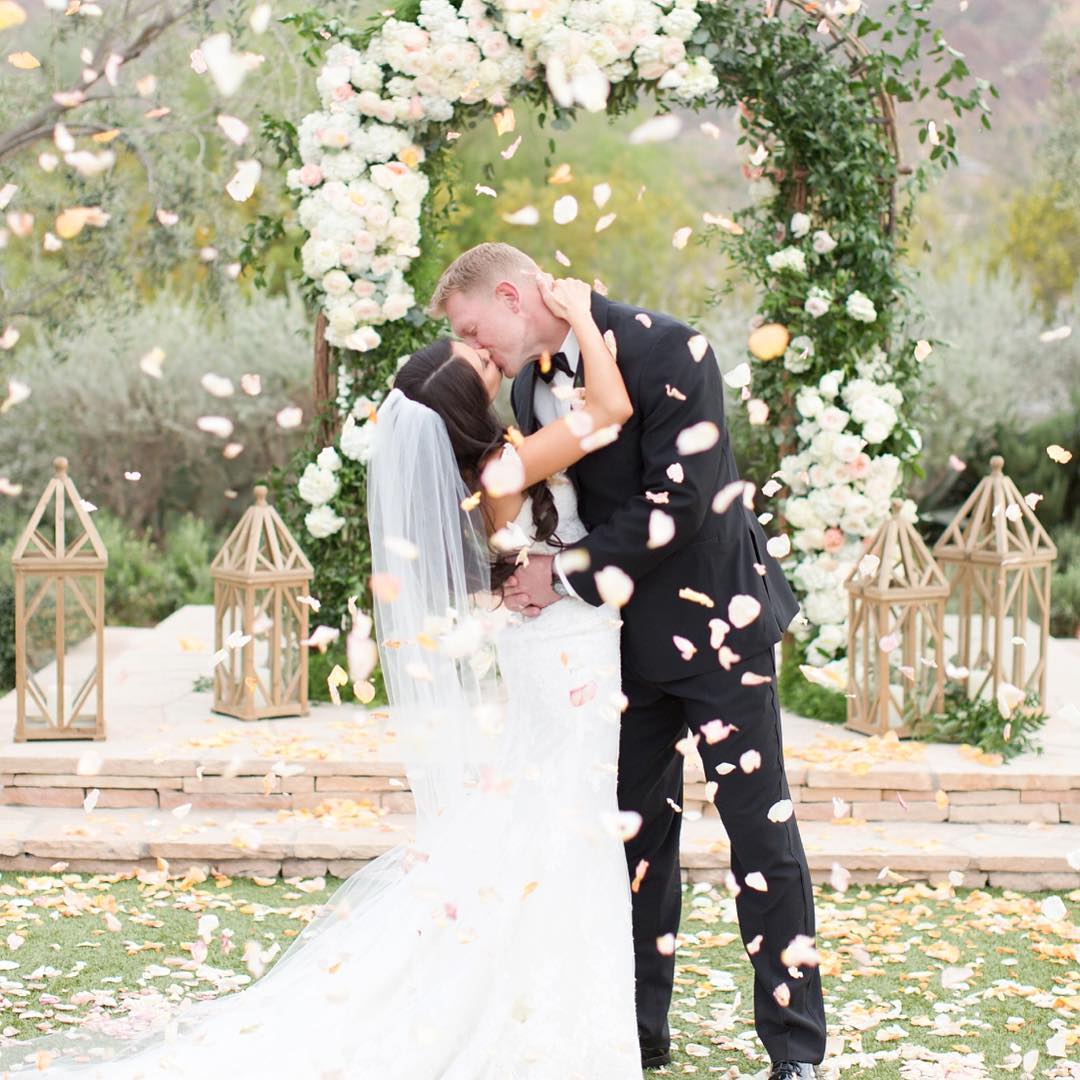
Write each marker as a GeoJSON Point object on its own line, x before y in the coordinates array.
{"type": "Point", "coordinates": [903, 594]}
{"type": "Point", "coordinates": [260, 572]}
{"type": "Point", "coordinates": [999, 565]}
{"type": "Point", "coordinates": [64, 566]}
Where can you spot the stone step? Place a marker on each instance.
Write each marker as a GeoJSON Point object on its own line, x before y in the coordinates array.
{"type": "Point", "coordinates": [301, 843]}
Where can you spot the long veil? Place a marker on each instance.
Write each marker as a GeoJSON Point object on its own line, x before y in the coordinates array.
{"type": "Point", "coordinates": [354, 963]}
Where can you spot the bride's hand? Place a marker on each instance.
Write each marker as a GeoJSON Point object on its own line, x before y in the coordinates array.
{"type": "Point", "coordinates": [567, 298]}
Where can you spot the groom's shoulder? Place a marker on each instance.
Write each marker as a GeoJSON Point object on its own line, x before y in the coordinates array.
{"type": "Point", "coordinates": [645, 325]}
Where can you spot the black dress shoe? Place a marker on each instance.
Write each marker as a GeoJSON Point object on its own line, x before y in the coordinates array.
{"type": "Point", "coordinates": [794, 1070]}
{"type": "Point", "coordinates": [654, 1057]}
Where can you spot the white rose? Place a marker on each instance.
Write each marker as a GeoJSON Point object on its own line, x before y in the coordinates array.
{"type": "Point", "coordinates": [328, 459]}
{"type": "Point", "coordinates": [827, 606]}
{"type": "Point", "coordinates": [829, 383]}
{"type": "Point", "coordinates": [336, 283]}
{"type": "Point", "coordinates": [832, 419]}
{"type": "Point", "coordinates": [800, 225]}
{"type": "Point", "coordinates": [322, 522]}
{"type": "Point", "coordinates": [317, 485]}
{"type": "Point", "coordinates": [861, 307]}
{"type": "Point", "coordinates": [847, 447]}
{"type": "Point", "coordinates": [809, 403]}
{"type": "Point", "coordinates": [823, 242]}
{"type": "Point", "coordinates": [817, 303]}
{"type": "Point", "coordinates": [800, 355]}
{"type": "Point", "coordinates": [357, 440]}
{"type": "Point", "coordinates": [789, 258]}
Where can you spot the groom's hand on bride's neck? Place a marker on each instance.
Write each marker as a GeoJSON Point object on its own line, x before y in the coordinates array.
{"type": "Point", "coordinates": [529, 590]}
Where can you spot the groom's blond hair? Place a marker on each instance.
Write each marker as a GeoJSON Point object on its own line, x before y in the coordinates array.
{"type": "Point", "coordinates": [480, 265]}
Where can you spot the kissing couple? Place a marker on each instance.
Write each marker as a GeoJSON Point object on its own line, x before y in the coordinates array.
{"type": "Point", "coordinates": [563, 609]}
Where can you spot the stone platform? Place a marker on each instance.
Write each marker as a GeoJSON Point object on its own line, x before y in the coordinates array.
{"type": "Point", "coordinates": [325, 793]}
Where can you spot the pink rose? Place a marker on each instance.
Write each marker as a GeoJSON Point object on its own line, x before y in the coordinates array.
{"type": "Point", "coordinates": [343, 92]}
{"type": "Point", "coordinates": [364, 288]}
{"type": "Point", "coordinates": [834, 540]}
{"type": "Point", "coordinates": [859, 466]}
{"type": "Point", "coordinates": [364, 241]}
{"type": "Point", "coordinates": [311, 175]}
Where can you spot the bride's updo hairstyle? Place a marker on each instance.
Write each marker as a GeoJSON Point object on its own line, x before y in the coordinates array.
{"type": "Point", "coordinates": [450, 386]}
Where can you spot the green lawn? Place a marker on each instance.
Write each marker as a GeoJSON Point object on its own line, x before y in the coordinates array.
{"type": "Point", "coordinates": [1013, 974]}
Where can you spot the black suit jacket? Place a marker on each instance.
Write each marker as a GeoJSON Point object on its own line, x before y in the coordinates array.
{"type": "Point", "coordinates": [711, 553]}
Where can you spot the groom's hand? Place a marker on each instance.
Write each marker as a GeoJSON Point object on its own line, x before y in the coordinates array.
{"type": "Point", "coordinates": [529, 590]}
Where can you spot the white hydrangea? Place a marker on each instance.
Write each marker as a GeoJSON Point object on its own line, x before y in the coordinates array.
{"type": "Point", "coordinates": [357, 440]}
{"type": "Point", "coordinates": [317, 485]}
{"type": "Point", "coordinates": [328, 459]}
{"type": "Point", "coordinates": [860, 307]}
{"type": "Point", "coordinates": [789, 258]}
{"type": "Point", "coordinates": [323, 522]}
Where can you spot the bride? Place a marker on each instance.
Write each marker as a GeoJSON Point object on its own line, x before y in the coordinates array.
{"type": "Point", "coordinates": [495, 944]}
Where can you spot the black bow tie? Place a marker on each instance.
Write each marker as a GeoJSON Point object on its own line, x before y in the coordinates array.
{"type": "Point", "coordinates": [558, 363]}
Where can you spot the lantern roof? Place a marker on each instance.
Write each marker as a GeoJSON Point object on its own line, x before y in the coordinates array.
{"type": "Point", "coordinates": [897, 564]}
{"type": "Point", "coordinates": [996, 525]}
{"type": "Point", "coordinates": [261, 547]}
{"type": "Point", "coordinates": [45, 544]}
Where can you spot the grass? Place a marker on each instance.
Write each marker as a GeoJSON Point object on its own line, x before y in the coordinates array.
{"type": "Point", "coordinates": [884, 950]}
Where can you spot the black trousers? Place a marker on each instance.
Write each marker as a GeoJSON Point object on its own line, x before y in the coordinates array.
{"type": "Point", "coordinates": [651, 773]}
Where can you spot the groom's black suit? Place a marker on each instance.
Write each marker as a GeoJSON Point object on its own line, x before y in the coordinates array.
{"type": "Point", "coordinates": [714, 554]}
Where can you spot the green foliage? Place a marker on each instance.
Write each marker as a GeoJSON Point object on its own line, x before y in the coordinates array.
{"type": "Point", "coordinates": [804, 698]}
{"type": "Point", "coordinates": [1065, 585]}
{"type": "Point", "coordinates": [979, 723]}
{"type": "Point", "coordinates": [7, 635]}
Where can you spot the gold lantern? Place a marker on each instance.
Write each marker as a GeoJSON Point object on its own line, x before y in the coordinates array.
{"type": "Point", "coordinates": [259, 576]}
{"type": "Point", "coordinates": [997, 558]}
{"type": "Point", "coordinates": [896, 637]}
{"type": "Point", "coordinates": [59, 618]}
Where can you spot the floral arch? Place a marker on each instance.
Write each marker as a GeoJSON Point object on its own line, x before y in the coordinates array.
{"type": "Point", "coordinates": [829, 368]}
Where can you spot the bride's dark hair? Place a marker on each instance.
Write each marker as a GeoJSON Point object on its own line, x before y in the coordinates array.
{"type": "Point", "coordinates": [451, 387]}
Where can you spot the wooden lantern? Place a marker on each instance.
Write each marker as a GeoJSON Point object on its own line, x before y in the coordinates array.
{"type": "Point", "coordinates": [997, 558]}
{"type": "Point", "coordinates": [59, 602]}
{"type": "Point", "coordinates": [896, 631]}
{"type": "Point", "coordinates": [259, 576]}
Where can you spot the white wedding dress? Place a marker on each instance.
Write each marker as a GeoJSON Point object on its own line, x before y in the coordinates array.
{"type": "Point", "coordinates": [504, 953]}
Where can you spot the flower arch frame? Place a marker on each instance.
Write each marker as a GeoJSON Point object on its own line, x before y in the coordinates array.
{"type": "Point", "coordinates": [831, 363]}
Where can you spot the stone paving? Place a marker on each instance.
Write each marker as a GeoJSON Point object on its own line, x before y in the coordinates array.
{"type": "Point", "coordinates": [324, 793]}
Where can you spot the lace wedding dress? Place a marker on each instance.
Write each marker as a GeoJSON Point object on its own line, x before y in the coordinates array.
{"type": "Point", "coordinates": [500, 951]}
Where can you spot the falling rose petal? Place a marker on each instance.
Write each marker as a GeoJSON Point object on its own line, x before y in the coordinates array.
{"type": "Point", "coordinates": [743, 610]}
{"type": "Point", "coordinates": [237, 640]}
{"type": "Point", "coordinates": [717, 731]}
{"type": "Point", "coordinates": [404, 549]}
{"type": "Point", "coordinates": [91, 800]}
{"type": "Point", "coordinates": [133, 476]}
{"type": "Point", "coordinates": [503, 475]}
{"type": "Point", "coordinates": [1032, 499]}
{"type": "Point", "coordinates": [675, 473]}
{"type": "Point", "coordinates": [483, 189]}
{"type": "Point", "coordinates": [888, 642]}
{"type": "Point", "coordinates": [756, 880]}
{"type": "Point", "coordinates": [722, 221]}
{"type": "Point", "coordinates": [527, 215]}
{"type": "Point", "coordinates": [840, 807]}
{"type": "Point", "coordinates": [696, 597]}
{"type": "Point", "coordinates": [8, 488]}
{"type": "Point", "coordinates": [1059, 454]}
{"type": "Point", "coordinates": [780, 812]}
{"type": "Point", "coordinates": [234, 128]}
{"type": "Point", "coordinates": [751, 678]}
{"type": "Point", "coordinates": [511, 150]}
{"type": "Point", "coordinates": [681, 237]}
{"type": "Point", "coordinates": [23, 61]}
{"type": "Point", "coordinates": [217, 385]}
{"type": "Point", "coordinates": [757, 412]}
{"type": "Point", "coordinates": [779, 547]}
{"type": "Point", "coordinates": [687, 745]}
{"type": "Point", "coordinates": [242, 185]}
{"type": "Point", "coordinates": [710, 129]}
{"type": "Point", "coordinates": [615, 586]}
{"type": "Point", "coordinates": [51, 243]}
{"type": "Point", "coordinates": [505, 121]}
{"type": "Point", "coordinates": [782, 995]}
{"type": "Point", "coordinates": [698, 346]}
{"type": "Point", "coordinates": [697, 438]}
{"type": "Point", "coordinates": [644, 319]}
{"type": "Point", "coordinates": [1047, 337]}
{"type": "Point", "coordinates": [729, 493]}
{"type": "Point", "coordinates": [724, 768]}
{"type": "Point", "coordinates": [749, 761]}
{"type": "Point", "coordinates": [232, 450]}
{"type": "Point", "coordinates": [309, 601]}
{"type": "Point", "coordinates": [259, 19]}
{"type": "Point", "coordinates": [565, 210]}
{"type": "Point", "coordinates": [227, 68]}
{"type": "Point", "coordinates": [686, 648]}
{"type": "Point", "coordinates": [718, 630]}
{"type": "Point", "coordinates": [640, 871]}
{"type": "Point", "coordinates": [582, 695]}
{"type": "Point", "coordinates": [665, 945]}
{"type": "Point", "coordinates": [603, 222]}
{"type": "Point", "coordinates": [759, 155]}
{"type": "Point", "coordinates": [251, 384]}
{"type": "Point", "coordinates": [674, 392]}
{"type": "Point", "coordinates": [922, 350]}
{"type": "Point", "coordinates": [385, 587]}
{"type": "Point", "coordinates": [1054, 909]}
{"type": "Point", "coordinates": [561, 259]}
{"type": "Point", "coordinates": [657, 129]}
{"type": "Point", "coordinates": [661, 529]}
{"type": "Point", "coordinates": [839, 877]}
{"type": "Point", "coordinates": [738, 376]}
{"type": "Point", "coordinates": [322, 637]}
{"type": "Point", "coordinates": [221, 426]}
{"type": "Point", "coordinates": [868, 565]}
{"type": "Point", "coordinates": [727, 657]}
{"type": "Point", "coordinates": [601, 193]}
{"type": "Point", "coordinates": [625, 824]}
{"type": "Point", "coordinates": [292, 416]}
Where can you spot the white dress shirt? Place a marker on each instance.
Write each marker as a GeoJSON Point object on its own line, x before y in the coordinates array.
{"type": "Point", "coordinates": [550, 407]}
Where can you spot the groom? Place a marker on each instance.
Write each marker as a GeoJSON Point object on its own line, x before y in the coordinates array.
{"type": "Point", "coordinates": [708, 605]}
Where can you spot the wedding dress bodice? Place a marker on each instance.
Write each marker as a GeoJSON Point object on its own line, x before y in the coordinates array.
{"type": "Point", "coordinates": [570, 528]}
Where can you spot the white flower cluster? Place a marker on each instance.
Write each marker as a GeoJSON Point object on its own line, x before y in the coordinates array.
{"type": "Point", "coordinates": [320, 482]}
{"type": "Point", "coordinates": [840, 494]}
